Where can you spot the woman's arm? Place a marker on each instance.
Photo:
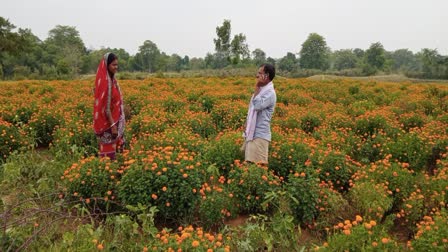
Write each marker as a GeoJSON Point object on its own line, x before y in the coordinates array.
{"type": "Point", "coordinates": [108, 108]}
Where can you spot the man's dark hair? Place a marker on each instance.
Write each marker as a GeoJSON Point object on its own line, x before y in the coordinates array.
{"type": "Point", "coordinates": [270, 70]}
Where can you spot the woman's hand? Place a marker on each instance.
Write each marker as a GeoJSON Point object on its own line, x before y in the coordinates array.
{"type": "Point", "coordinates": [114, 131]}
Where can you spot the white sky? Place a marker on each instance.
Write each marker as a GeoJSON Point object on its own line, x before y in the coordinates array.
{"type": "Point", "coordinates": [188, 27]}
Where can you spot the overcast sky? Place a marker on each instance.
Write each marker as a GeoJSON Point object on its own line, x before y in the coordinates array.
{"type": "Point", "coordinates": [188, 27]}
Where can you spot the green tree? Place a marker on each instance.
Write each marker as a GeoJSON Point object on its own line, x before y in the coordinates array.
{"type": "Point", "coordinates": [174, 63]}
{"type": "Point", "coordinates": [345, 59]}
{"type": "Point", "coordinates": [12, 42]}
{"type": "Point", "coordinates": [185, 64]}
{"type": "Point", "coordinates": [359, 53]}
{"type": "Point", "coordinates": [434, 65]}
{"type": "Point", "coordinates": [404, 60]}
{"type": "Point", "coordinates": [222, 43]}
{"type": "Point", "coordinates": [65, 47]}
{"type": "Point", "coordinates": [239, 49]}
{"type": "Point", "coordinates": [374, 58]}
{"type": "Point", "coordinates": [13, 47]}
{"type": "Point", "coordinates": [288, 63]}
{"type": "Point", "coordinates": [271, 61]}
{"type": "Point", "coordinates": [259, 56]}
{"type": "Point", "coordinates": [314, 53]}
{"type": "Point", "coordinates": [147, 57]}
{"type": "Point", "coordinates": [197, 63]}
{"type": "Point", "coordinates": [226, 50]}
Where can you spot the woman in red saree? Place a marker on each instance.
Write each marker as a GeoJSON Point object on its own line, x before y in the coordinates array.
{"type": "Point", "coordinates": [108, 112]}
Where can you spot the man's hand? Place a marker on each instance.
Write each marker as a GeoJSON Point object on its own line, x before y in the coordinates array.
{"type": "Point", "coordinates": [257, 90]}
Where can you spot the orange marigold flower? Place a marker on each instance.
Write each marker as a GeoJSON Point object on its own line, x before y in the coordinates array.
{"type": "Point", "coordinates": [195, 244]}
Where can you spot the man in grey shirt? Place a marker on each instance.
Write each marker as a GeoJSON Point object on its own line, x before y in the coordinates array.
{"type": "Point", "coordinates": [258, 122]}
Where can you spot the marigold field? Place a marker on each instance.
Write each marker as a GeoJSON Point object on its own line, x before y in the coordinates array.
{"type": "Point", "coordinates": [354, 165]}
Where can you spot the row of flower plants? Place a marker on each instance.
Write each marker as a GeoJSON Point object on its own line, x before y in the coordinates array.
{"type": "Point", "coordinates": [360, 164]}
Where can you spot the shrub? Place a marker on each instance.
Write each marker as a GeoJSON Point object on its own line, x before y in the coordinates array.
{"type": "Point", "coordinates": [135, 104]}
{"type": "Point", "coordinates": [369, 149]}
{"type": "Point", "coordinates": [399, 180]}
{"type": "Point", "coordinates": [410, 148]}
{"type": "Point", "coordinates": [202, 124]}
{"type": "Point", "coordinates": [428, 107]}
{"type": "Point", "coordinates": [353, 90]}
{"type": "Point", "coordinates": [43, 125]}
{"type": "Point", "coordinates": [93, 181]}
{"type": "Point", "coordinates": [228, 116]}
{"type": "Point", "coordinates": [74, 140]}
{"type": "Point", "coordinates": [147, 123]}
{"type": "Point", "coordinates": [432, 233]}
{"type": "Point", "coordinates": [310, 123]}
{"type": "Point", "coordinates": [10, 139]}
{"type": "Point", "coordinates": [360, 107]}
{"type": "Point", "coordinates": [31, 169]}
{"type": "Point", "coordinates": [272, 233]}
{"type": "Point", "coordinates": [368, 126]}
{"type": "Point", "coordinates": [19, 117]}
{"type": "Point", "coordinates": [305, 191]}
{"type": "Point", "coordinates": [332, 207]}
{"type": "Point", "coordinates": [370, 199]}
{"type": "Point", "coordinates": [207, 103]}
{"type": "Point", "coordinates": [216, 204]}
{"type": "Point", "coordinates": [361, 235]}
{"type": "Point", "coordinates": [334, 168]}
{"type": "Point", "coordinates": [172, 105]}
{"type": "Point", "coordinates": [411, 121]}
{"type": "Point", "coordinates": [223, 151]}
{"type": "Point", "coordinates": [285, 157]}
{"type": "Point", "coordinates": [166, 177]}
{"type": "Point", "coordinates": [249, 183]}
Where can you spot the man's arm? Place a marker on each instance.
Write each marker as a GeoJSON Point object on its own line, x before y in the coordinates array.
{"type": "Point", "coordinates": [261, 103]}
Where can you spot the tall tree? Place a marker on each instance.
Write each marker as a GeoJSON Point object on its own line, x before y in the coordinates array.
{"type": "Point", "coordinates": [174, 63]}
{"type": "Point", "coordinates": [65, 48]}
{"type": "Point", "coordinates": [258, 56]}
{"type": "Point", "coordinates": [434, 65]}
{"type": "Point", "coordinates": [239, 49]}
{"type": "Point", "coordinates": [288, 63]}
{"type": "Point", "coordinates": [271, 61]}
{"type": "Point", "coordinates": [197, 63]}
{"type": "Point", "coordinates": [185, 63]}
{"type": "Point", "coordinates": [12, 45]}
{"type": "Point", "coordinates": [375, 57]}
{"type": "Point", "coordinates": [222, 43]}
{"type": "Point", "coordinates": [404, 60]}
{"type": "Point", "coordinates": [147, 57]}
{"type": "Point", "coordinates": [10, 41]}
{"type": "Point", "coordinates": [314, 53]}
{"type": "Point", "coordinates": [226, 50]}
{"type": "Point", "coordinates": [345, 59]}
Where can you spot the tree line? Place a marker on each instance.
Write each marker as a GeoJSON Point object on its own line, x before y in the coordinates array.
{"type": "Point", "coordinates": [64, 55]}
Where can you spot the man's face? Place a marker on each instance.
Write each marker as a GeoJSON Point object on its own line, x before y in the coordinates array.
{"type": "Point", "coordinates": [262, 77]}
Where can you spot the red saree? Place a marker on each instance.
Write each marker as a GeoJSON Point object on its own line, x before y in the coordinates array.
{"type": "Point", "coordinates": [108, 99]}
